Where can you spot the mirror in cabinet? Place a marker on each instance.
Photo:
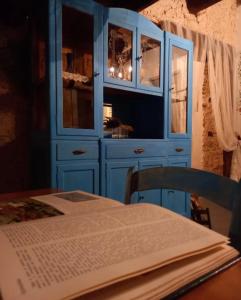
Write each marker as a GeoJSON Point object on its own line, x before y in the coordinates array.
{"type": "Point", "coordinates": [132, 115]}
{"type": "Point", "coordinates": [179, 90]}
{"type": "Point", "coordinates": [77, 69]}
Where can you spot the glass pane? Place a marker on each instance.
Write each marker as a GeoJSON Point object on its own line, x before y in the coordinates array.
{"type": "Point", "coordinates": [119, 53]}
{"type": "Point", "coordinates": [77, 74]}
{"type": "Point", "coordinates": [150, 61]}
{"type": "Point", "coordinates": [179, 90]}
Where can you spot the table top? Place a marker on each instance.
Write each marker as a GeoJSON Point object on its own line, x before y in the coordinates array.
{"type": "Point", "coordinates": [223, 286]}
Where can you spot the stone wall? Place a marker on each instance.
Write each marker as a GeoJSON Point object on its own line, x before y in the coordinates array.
{"type": "Point", "coordinates": [217, 21]}
{"type": "Point", "coordinates": [212, 154]}
{"type": "Point", "coordinates": [220, 22]}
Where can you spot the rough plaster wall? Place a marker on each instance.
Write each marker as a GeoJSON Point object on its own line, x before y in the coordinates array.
{"type": "Point", "coordinates": [238, 33]}
{"type": "Point", "coordinates": [217, 21]}
{"type": "Point", "coordinates": [220, 22]}
{"type": "Point", "coordinates": [212, 154]}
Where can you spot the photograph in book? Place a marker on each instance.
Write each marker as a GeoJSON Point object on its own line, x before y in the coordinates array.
{"type": "Point", "coordinates": [77, 202]}
{"type": "Point", "coordinates": [25, 209]}
{"type": "Point", "coordinates": [69, 256]}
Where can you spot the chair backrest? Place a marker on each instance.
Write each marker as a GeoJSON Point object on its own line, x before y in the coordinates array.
{"type": "Point", "coordinates": [219, 189]}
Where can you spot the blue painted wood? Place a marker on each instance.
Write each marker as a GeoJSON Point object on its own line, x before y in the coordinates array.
{"type": "Point", "coordinates": [110, 19]}
{"type": "Point", "coordinates": [133, 89]}
{"type": "Point", "coordinates": [158, 35]}
{"type": "Point", "coordinates": [118, 156]}
{"type": "Point", "coordinates": [73, 150]}
{"type": "Point", "coordinates": [138, 25]}
{"type": "Point", "coordinates": [116, 172]}
{"type": "Point", "coordinates": [81, 170]}
{"type": "Point", "coordinates": [179, 147]}
{"type": "Point", "coordinates": [95, 10]}
{"type": "Point", "coordinates": [172, 40]}
{"type": "Point", "coordinates": [82, 176]}
{"type": "Point", "coordinates": [133, 149]}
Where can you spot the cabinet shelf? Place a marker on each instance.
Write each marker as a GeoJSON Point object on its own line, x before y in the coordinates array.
{"type": "Point", "coordinates": [143, 112]}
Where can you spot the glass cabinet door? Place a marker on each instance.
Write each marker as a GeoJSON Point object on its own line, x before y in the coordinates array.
{"type": "Point", "coordinates": [77, 77]}
{"type": "Point", "coordinates": [179, 90]}
{"type": "Point", "coordinates": [119, 56]}
{"type": "Point", "coordinates": [119, 53]}
{"type": "Point", "coordinates": [180, 86]}
{"type": "Point", "coordinates": [77, 69]}
{"type": "Point", "coordinates": [150, 61]}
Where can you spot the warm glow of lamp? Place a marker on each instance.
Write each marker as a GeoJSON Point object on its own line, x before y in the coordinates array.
{"type": "Point", "coordinates": [130, 69]}
{"type": "Point", "coordinates": [120, 75]}
{"type": "Point", "coordinates": [112, 69]}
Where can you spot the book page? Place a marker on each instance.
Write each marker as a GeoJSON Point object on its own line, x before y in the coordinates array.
{"type": "Point", "coordinates": [67, 256]}
{"type": "Point", "coordinates": [166, 280]}
{"type": "Point", "coordinates": [77, 202]}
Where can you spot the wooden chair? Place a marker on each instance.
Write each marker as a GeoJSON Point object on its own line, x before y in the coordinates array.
{"type": "Point", "coordinates": [200, 214]}
{"type": "Point", "coordinates": [219, 189]}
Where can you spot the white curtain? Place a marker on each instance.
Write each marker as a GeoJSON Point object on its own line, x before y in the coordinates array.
{"type": "Point", "coordinates": [223, 79]}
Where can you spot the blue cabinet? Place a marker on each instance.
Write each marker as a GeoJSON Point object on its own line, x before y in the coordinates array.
{"type": "Point", "coordinates": [76, 76]}
{"type": "Point", "coordinates": [114, 182]}
{"type": "Point", "coordinates": [77, 53]}
{"type": "Point", "coordinates": [76, 165]}
{"type": "Point", "coordinates": [178, 86]}
{"type": "Point", "coordinates": [113, 63]}
{"type": "Point", "coordinates": [79, 176]}
{"type": "Point", "coordinates": [119, 156]}
{"type": "Point", "coordinates": [133, 51]}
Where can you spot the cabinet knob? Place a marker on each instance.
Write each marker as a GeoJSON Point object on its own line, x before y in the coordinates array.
{"type": "Point", "coordinates": [96, 74]}
{"type": "Point", "coordinates": [139, 58]}
{"type": "Point", "coordinates": [78, 152]}
{"type": "Point", "coordinates": [139, 150]}
{"type": "Point", "coordinates": [179, 149]}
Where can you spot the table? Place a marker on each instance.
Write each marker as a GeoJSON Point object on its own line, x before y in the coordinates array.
{"type": "Point", "coordinates": [223, 286]}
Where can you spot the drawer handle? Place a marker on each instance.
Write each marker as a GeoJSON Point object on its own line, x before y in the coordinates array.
{"type": "Point", "coordinates": [139, 150]}
{"type": "Point", "coordinates": [78, 152]}
{"type": "Point", "coordinates": [179, 149]}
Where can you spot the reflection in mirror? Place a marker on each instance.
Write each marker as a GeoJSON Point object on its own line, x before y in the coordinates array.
{"type": "Point", "coordinates": [119, 53]}
{"type": "Point", "coordinates": [77, 69]}
{"type": "Point", "coordinates": [179, 90]}
{"type": "Point", "coordinates": [150, 61]}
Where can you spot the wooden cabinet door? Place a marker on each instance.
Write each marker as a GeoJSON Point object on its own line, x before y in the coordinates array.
{"type": "Point", "coordinates": [178, 86]}
{"type": "Point", "coordinates": [115, 178]}
{"type": "Point", "coordinates": [150, 58]}
{"type": "Point", "coordinates": [78, 176]}
{"type": "Point", "coordinates": [76, 75]}
{"type": "Point", "coordinates": [120, 47]}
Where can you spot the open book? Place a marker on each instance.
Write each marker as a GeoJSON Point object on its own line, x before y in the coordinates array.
{"type": "Point", "coordinates": [102, 249]}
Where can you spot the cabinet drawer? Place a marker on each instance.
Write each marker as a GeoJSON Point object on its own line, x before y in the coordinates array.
{"type": "Point", "coordinates": [136, 150]}
{"type": "Point", "coordinates": [179, 148]}
{"type": "Point", "coordinates": [77, 150]}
